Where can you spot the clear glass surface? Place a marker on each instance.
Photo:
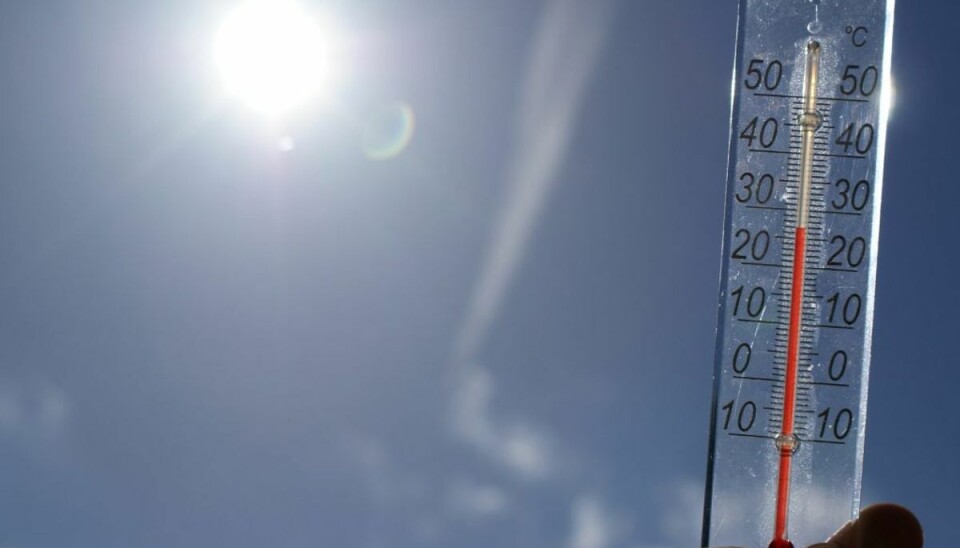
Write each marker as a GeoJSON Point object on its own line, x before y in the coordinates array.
{"type": "Point", "coordinates": [838, 289]}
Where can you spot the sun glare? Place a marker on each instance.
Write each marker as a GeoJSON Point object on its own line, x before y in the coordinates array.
{"type": "Point", "coordinates": [274, 56]}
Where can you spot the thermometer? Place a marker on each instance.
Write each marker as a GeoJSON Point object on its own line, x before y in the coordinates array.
{"type": "Point", "coordinates": [811, 94]}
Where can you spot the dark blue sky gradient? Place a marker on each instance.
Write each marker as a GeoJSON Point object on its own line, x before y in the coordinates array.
{"type": "Point", "coordinates": [209, 342]}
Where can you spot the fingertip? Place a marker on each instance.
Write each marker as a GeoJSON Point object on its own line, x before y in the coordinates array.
{"type": "Point", "coordinates": [880, 526]}
{"type": "Point", "coordinates": [890, 525]}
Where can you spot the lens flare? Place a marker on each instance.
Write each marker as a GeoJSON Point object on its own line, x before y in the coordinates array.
{"type": "Point", "coordinates": [388, 131]}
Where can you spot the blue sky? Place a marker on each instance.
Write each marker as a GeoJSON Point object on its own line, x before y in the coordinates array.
{"type": "Point", "coordinates": [501, 336]}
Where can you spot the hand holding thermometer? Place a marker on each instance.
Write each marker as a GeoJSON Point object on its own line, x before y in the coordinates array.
{"type": "Point", "coordinates": [811, 96]}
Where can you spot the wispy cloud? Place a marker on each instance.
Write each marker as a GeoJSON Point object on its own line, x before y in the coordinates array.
{"type": "Point", "coordinates": [593, 525]}
{"type": "Point", "coordinates": [679, 516]}
{"type": "Point", "coordinates": [560, 65]}
{"type": "Point", "coordinates": [384, 482]}
{"type": "Point", "coordinates": [682, 514]}
{"type": "Point", "coordinates": [519, 446]}
{"type": "Point", "coordinates": [472, 499]}
{"type": "Point", "coordinates": [564, 53]}
{"type": "Point", "coordinates": [33, 411]}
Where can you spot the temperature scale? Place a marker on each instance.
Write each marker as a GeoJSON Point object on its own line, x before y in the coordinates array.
{"type": "Point", "coordinates": [811, 92]}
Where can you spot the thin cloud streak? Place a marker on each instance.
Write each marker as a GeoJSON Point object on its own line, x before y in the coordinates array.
{"type": "Point", "coordinates": [566, 47]}
{"type": "Point", "coordinates": [565, 51]}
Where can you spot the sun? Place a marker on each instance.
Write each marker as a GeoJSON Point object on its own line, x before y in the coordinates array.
{"type": "Point", "coordinates": [274, 56]}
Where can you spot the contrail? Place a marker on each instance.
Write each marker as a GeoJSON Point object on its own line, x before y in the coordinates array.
{"type": "Point", "coordinates": [561, 61]}
{"type": "Point", "coordinates": [567, 45]}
